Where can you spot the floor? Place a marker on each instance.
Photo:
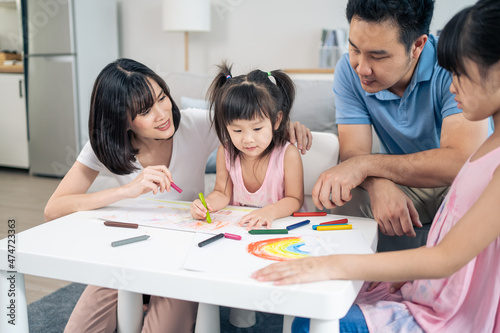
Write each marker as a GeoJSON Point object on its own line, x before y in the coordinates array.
{"type": "Point", "coordinates": [23, 198]}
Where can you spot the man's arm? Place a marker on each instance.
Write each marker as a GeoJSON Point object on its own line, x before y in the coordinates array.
{"type": "Point", "coordinates": [430, 168]}
{"type": "Point", "coordinates": [354, 140]}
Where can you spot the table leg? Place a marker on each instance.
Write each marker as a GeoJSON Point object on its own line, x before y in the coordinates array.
{"type": "Point", "coordinates": [14, 311]}
{"type": "Point", "coordinates": [324, 326]}
{"type": "Point", "coordinates": [242, 318]}
{"type": "Point", "coordinates": [129, 312]}
{"type": "Point", "coordinates": [208, 319]}
{"type": "Point", "coordinates": [287, 324]}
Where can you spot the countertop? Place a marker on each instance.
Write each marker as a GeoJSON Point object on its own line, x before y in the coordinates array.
{"type": "Point", "coordinates": [18, 68]}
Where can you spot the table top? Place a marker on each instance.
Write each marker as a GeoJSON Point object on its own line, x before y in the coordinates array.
{"type": "Point", "coordinates": [77, 248]}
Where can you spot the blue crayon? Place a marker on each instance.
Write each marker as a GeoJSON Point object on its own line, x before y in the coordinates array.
{"type": "Point", "coordinates": [297, 225]}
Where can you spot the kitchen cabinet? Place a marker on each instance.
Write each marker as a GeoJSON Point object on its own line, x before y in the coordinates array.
{"type": "Point", "coordinates": [13, 125]}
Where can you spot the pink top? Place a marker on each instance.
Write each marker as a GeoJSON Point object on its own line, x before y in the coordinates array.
{"type": "Point", "coordinates": [467, 301]}
{"type": "Point", "coordinates": [273, 187]}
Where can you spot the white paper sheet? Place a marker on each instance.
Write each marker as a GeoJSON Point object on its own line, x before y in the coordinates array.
{"type": "Point", "coordinates": [227, 256]}
{"type": "Point", "coordinates": [175, 215]}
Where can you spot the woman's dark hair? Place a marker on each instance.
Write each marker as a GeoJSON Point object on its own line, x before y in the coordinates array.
{"type": "Point", "coordinates": [120, 93]}
{"type": "Point", "coordinates": [413, 17]}
{"type": "Point", "coordinates": [473, 33]}
{"type": "Point", "coordinates": [248, 97]}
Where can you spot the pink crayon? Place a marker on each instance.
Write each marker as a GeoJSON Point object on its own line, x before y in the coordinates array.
{"type": "Point", "coordinates": [175, 187]}
{"type": "Point", "coordinates": [232, 236]}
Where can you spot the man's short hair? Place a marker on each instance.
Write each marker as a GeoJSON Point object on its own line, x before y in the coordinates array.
{"type": "Point", "coordinates": [413, 17]}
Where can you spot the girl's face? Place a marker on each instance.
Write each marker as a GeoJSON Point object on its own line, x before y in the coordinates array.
{"type": "Point", "coordinates": [157, 123]}
{"type": "Point", "coordinates": [252, 137]}
{"type": "Point", "coordinates": [478, 97]}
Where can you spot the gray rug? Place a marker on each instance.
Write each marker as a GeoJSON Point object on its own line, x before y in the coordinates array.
{"type": "Point", "coordinates": [50, 314]}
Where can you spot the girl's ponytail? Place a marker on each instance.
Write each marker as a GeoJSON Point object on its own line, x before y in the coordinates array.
{"type": "Point", "coordinates": [285, 96]}
{"type": "Point", "coordinates": [214, 95]}
{"type": "Point", "coordinates": [287, 90]}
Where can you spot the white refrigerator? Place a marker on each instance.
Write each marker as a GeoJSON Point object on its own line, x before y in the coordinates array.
{"type": "Point", "coordinates": [67, 44]}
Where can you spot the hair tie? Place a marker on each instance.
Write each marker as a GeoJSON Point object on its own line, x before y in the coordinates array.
{"type": "Point", "coordinates": [271, 77]}
{"type": "Point", "coordinates": [228, 77]}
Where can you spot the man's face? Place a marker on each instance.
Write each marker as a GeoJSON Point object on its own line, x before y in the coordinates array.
{"type": "Point", "coordinates": [378, 57]}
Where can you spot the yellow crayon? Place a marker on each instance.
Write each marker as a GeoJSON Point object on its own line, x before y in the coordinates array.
{"type": "Point", "coordinates": [334, 227]}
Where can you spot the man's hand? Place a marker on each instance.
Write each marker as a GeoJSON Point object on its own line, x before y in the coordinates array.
{"type": "Point", "coordinates": [301, 135]}
{"type": "Point", "coordinates": [338, 182]}
{"type": "Point", "coordinates": [392, 209]}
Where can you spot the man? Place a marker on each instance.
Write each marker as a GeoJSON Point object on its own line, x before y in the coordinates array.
{"type": "Point", "coordinates": [390, 80]}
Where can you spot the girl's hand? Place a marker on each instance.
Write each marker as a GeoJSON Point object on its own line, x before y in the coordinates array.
{"type": "Point", "coordinates": [153, 178]}
{"type": "Point", "coordinates": [258, 218]}
{"type": "Point", "coordinates": [297, 271]}
{"type": "Point", "coordinates": [198, 211]}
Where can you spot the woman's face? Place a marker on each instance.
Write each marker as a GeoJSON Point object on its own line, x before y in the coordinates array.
{"type": "Point", "coordinates": [478, 97]}
{"type": "Point", "coordinates": [156, 123]}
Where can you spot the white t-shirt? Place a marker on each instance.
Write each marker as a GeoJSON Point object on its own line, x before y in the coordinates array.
{"type": "Point", "coordinates": [193, 142]}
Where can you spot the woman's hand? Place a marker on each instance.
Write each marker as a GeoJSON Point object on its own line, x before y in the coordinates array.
{"type": "Point", "coordinates": [198, 211]}
{"type": "Point", "coordinates": [153, 178]}
{"type": "Point", "coordinates": [301, 135]}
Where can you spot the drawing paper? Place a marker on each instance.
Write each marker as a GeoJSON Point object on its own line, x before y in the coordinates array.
{"type": "Point", "coordinates": [227, 256]}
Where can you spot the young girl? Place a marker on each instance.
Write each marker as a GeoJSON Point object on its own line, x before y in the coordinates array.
{"type": "Point", "coordinates": [454, 280]}
{"type": "Point", "coordinates": [140, 137]}
{"type": "Point", "coordinates": [256, 166]}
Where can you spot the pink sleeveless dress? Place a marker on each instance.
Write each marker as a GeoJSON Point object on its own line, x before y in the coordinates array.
{"type": "Point", "coordinates": [273, 187]}
{"type": "Point", "coordinates": [467, 301]}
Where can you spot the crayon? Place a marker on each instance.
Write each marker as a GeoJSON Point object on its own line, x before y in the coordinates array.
{"type": "Point", "coordinates": [334, 227]}
{"type": "Point", "coordinates": [232, 236]}
{"type": "Point", "coordinates": [121, 224]}
{"type": "Point", "coordinates": [202, 198]}
{"type": "Point", "coordinates": [341, 221]}
{"type": "Point", "coordinates": [298, 225]}
{"type": "Point", "coordinates": [211, 240]}
{"type": "Point", "coordinates": [175, 187]}
{"type": "Point", "coordinates": [267, 231]}
{"type": "Point", "coordinates": [315, 226]}
{"type": "Point", "coordinates": [129, 240]}
{"type": "Point", "coordinates": [305, 214]}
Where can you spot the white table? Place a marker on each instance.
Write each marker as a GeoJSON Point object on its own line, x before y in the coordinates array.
{"type": "Point", "coordinates": [77, 248]}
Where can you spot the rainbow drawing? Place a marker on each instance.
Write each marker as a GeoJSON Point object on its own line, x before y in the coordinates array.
{"type": "Point", "coordinates": [278, 249]}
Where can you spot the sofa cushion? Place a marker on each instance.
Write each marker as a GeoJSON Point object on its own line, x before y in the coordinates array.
{"type": "Point", "coordinates": [314, 105]}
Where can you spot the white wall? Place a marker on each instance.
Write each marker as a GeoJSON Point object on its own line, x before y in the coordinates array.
{"type": "Point", "coordinates": [266, 34]}
{"type": "Point", "coordinates": [9, 27]}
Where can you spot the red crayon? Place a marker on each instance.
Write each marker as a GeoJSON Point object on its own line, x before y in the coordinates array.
{"type": "Point", "coordinates": [309, 214]}
{"type": "Point", "coordinates": [341, 221]}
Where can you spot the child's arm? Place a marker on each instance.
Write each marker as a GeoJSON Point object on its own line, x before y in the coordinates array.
{"type": "Point", "coordinates": [223, 190]}
{"type": "Point", "coordinates": [477, 228]}
{"type": "Point", "coordinates": [294, 194]}
{"type": "Point", "coordinates": [70, 196]}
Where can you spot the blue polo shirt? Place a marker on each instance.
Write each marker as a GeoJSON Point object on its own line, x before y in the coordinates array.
{"type": "Point", "coordinates": [404, 125]}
